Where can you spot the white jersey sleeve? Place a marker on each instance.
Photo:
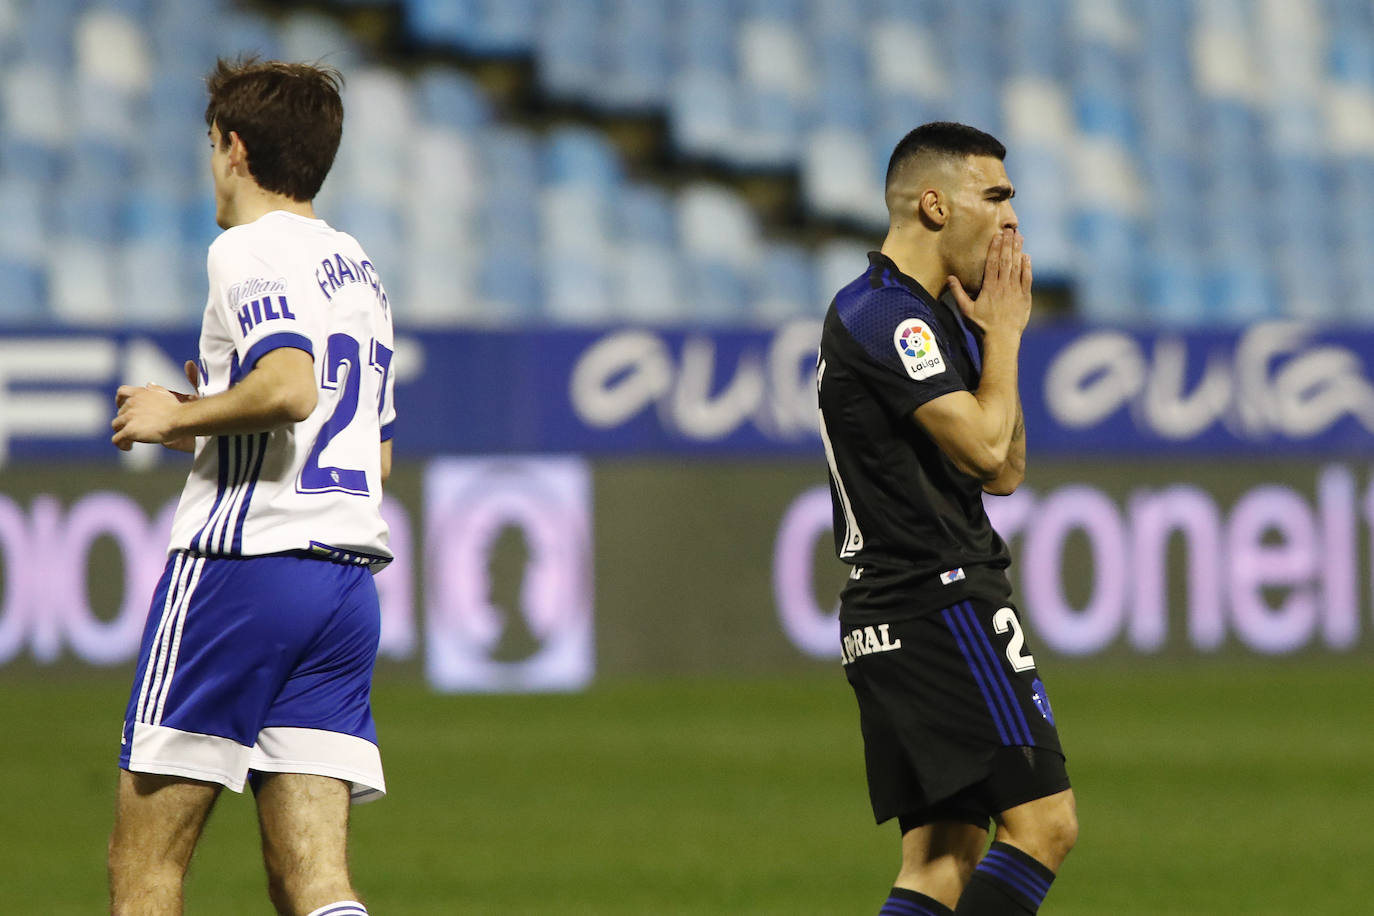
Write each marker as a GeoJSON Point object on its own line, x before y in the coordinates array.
{"type": "Point", "coordinates": [313, 486]}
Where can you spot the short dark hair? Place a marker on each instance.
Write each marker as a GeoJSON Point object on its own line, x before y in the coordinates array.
{"type": "Point", "coordinates": [946, 138]}
{"type": "Point", "coordinates": [289, 116]}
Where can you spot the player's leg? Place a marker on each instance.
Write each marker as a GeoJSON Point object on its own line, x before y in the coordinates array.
{"type": "Point", "coordinates": [1032, 841]}
{"type": "Point", "coordinates": [1028, 784]}
{"type": "Point", "coordinates": [304, 822]}
{"type": "Point", "coordinates": [317, 751]}
{"type": "Point", "coordinates": [937, 861]}
{"type": "Point", "coordinates": [158, 820]}
{"type": "Point", "coordinates": [1046, 828]}
{"type": "Point", "coordinates": [941, 842]}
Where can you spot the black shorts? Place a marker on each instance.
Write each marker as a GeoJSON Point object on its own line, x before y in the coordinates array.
{"type": "Point", "coordinates": [948, 703]}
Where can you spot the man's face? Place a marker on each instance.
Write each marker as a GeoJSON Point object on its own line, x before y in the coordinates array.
{"type": "Point", "coordinates": [220, 172]}
{"type": "Point", "coordinates": [980, 207]}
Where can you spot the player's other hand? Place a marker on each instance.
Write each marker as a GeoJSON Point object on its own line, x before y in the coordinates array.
{"type": "Point", "coordinates": [146, 414]}
{"type": "Point", "coordinates": [1004, 302]}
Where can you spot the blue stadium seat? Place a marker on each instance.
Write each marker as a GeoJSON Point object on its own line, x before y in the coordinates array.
{"type": "Point", "coordinates": [780, 10]}
{"type": "Point", "coordinates": [313, 36]}
{"type": "Point", "coordinates": [645, 213]}
{"type": "Point", "coordinates": [646, 286]}
{"type": "Point", "coordinates": [504, 27]}
{"type": "Point", "coordinates": [1241, 291]}
{"type": "Point", "coordinates": [784, 287]}
{"type": "Point", "coordinates": [508, 284]}
{"type": "Point", "coordinates": [1036, 31]}
{"type": "Point", "coordinates": [578, 155]}
{"type": "Point", "coordinates": [1105, 276]}
{"type": "Point", "coordinates": [151, 290]}
{"type": "Point", "coordinates": [152, 212]}
{"type": "Point", "coordinates": [23, 292]}
{"type": "Point", "coordinates": [34, 162]}
{"type": "Point", "coordinates": [703, 36]}
{"type": "Point", "coordinates": [450, 98]}
{"type": "Point", "coordinates": [715, 292]}
{"type": "Point", "coordinates": [25, 220]}
{"type": "Point", "coordinates": [841, 85]}
{"type": "Point", "coordinates": [701, 113]}
{"type": "Point", "coordinates": [238, 33]}
{"type": "Point", "coordinates": [45, 33]}
{"type": "Point", "coordinates": [88, 208]}
{"type": "Point", "coordinates": [638, 59]}
{"type": "Point", "coordinates": [81, 282]}
{"type": "Point", "coordinates": [1172, 288]}
{"type": "Point", "coordinates": [767, 135]}
{"type": "Point", "coordinates": [445, 23]}
{"type": "Point", "coordinates": [576, 290]}
{"type": "Point", "coordinates": [569, 49]}
{"type": "Point", "coordinates": [1040, 176]}
{"type": "Point", "coordinates": [840, 177]}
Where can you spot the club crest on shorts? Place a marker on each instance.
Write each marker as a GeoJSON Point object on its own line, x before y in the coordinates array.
{"type": "Point", "coordinates": [917, 349]}
{"type": "Point", "coordinates": [1042, 700]}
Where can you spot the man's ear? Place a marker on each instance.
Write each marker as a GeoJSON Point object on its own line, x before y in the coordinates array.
{"type": "Point", "coordinates": [238, 153]}
{"type": "Point", "coordinates": [932, 207]}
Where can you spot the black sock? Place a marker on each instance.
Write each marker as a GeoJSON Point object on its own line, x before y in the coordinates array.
{"type": "Point", "coordinates": [1006, 883]}
{"type": "Point", "coordinates": [902, 902]}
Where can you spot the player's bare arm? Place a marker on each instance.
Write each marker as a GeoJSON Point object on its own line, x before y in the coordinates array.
{"type": "Point", "coordinates": [978, 430]}
{"type": "Point", "coordinates": [386, 460]}
{"type": "Point", "coordinates": [279, 390]}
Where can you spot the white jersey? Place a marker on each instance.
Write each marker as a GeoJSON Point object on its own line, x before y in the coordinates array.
{"type": "Point", "coordinates": [290, 281]}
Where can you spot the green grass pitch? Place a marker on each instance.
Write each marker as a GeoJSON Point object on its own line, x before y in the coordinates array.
{"type": "Point", "coordinates": [1216, 788]}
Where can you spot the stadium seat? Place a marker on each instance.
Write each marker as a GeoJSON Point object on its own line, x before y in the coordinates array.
{"type": "Point", "coordinates": [784, 289]}
{"type": "Point", "coordinates": [701, 113]}
{"type": "Point", "coordinates": [638, 58]}
{"type": "Point", "coordinates": [508, 286]}
{"type": "Point", "coordinates": [449, 98]}
{"type": "Point", "coordinates": [1180, 124]}
{"type": "Point", "coordinates": [503, 27]}
{"type": "Point", "coordinates": [24, 298]}
{"type": "Point", "coordinates": [646, 286]}
{"type": "Point", "coordinates": [840, 178]}
{"type": "Point", "coordinates": [580, 156]}
{"type": "Point", "coordinates": [568, 47]}
{"type": "Point", "coordinates": [81, 282]}
{"type": "Point", "coordinates": [149, 293]}
{"type": "Point", "coordinates": [645, 213]}
{"type": "Point", "coordinates": [576, 290]}
{"type": "Point", "coordinates": [446, 23]}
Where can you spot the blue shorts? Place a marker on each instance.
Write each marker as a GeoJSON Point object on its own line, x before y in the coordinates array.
{"type": "Point", "coordinates": [257, 664]}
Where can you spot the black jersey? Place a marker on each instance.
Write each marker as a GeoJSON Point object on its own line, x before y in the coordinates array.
{"type": "Point", "coordinates": [905, 515]}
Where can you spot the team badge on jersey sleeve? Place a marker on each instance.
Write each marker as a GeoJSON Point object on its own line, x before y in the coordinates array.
{"type": "Point", "coordinates": [917, 349]}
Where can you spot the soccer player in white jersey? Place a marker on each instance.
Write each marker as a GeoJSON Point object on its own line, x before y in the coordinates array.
{"type": "Point", "coordinates": [256, 662]}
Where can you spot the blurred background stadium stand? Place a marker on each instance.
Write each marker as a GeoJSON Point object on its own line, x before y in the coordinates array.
{"type": "Point", "coordinates": [707, 162]}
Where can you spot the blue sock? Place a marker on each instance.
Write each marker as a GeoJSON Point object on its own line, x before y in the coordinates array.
{"type": "Point", "coordinates": [1006, 883]}
{"type": "Point", "coordinates": [902, 902]}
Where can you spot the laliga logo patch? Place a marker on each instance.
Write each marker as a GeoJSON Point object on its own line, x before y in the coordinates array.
{"type": "Point", "coordinates": [917, 349]}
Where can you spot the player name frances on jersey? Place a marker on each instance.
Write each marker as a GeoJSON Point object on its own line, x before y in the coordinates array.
{"type": "Point", "coordinates": [339, 270]}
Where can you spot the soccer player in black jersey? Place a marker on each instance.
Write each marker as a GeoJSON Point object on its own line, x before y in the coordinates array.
{"type": "Point", "coordinates": [921, 416]}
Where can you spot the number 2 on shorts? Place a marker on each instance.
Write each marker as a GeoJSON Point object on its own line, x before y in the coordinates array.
{"type": "Point", "coordinates": [1004, 620]}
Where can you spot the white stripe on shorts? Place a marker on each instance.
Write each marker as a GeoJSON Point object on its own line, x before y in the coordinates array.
{"type": "Point", "coordinates": [162, 658]}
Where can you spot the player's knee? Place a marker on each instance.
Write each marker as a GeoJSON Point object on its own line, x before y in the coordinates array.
{"type": "Point", "coordinates": [1049, 836]}
{"type": "Point", "coordinates": [1055, 836]}
{"type": "Point", "coordinates": [1063, 832]}
{"type": "Point", "coordinates": [294, 889]}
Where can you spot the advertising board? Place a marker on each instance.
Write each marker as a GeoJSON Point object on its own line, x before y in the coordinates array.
{"type": "Point", "coordinates": [544, 572]}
